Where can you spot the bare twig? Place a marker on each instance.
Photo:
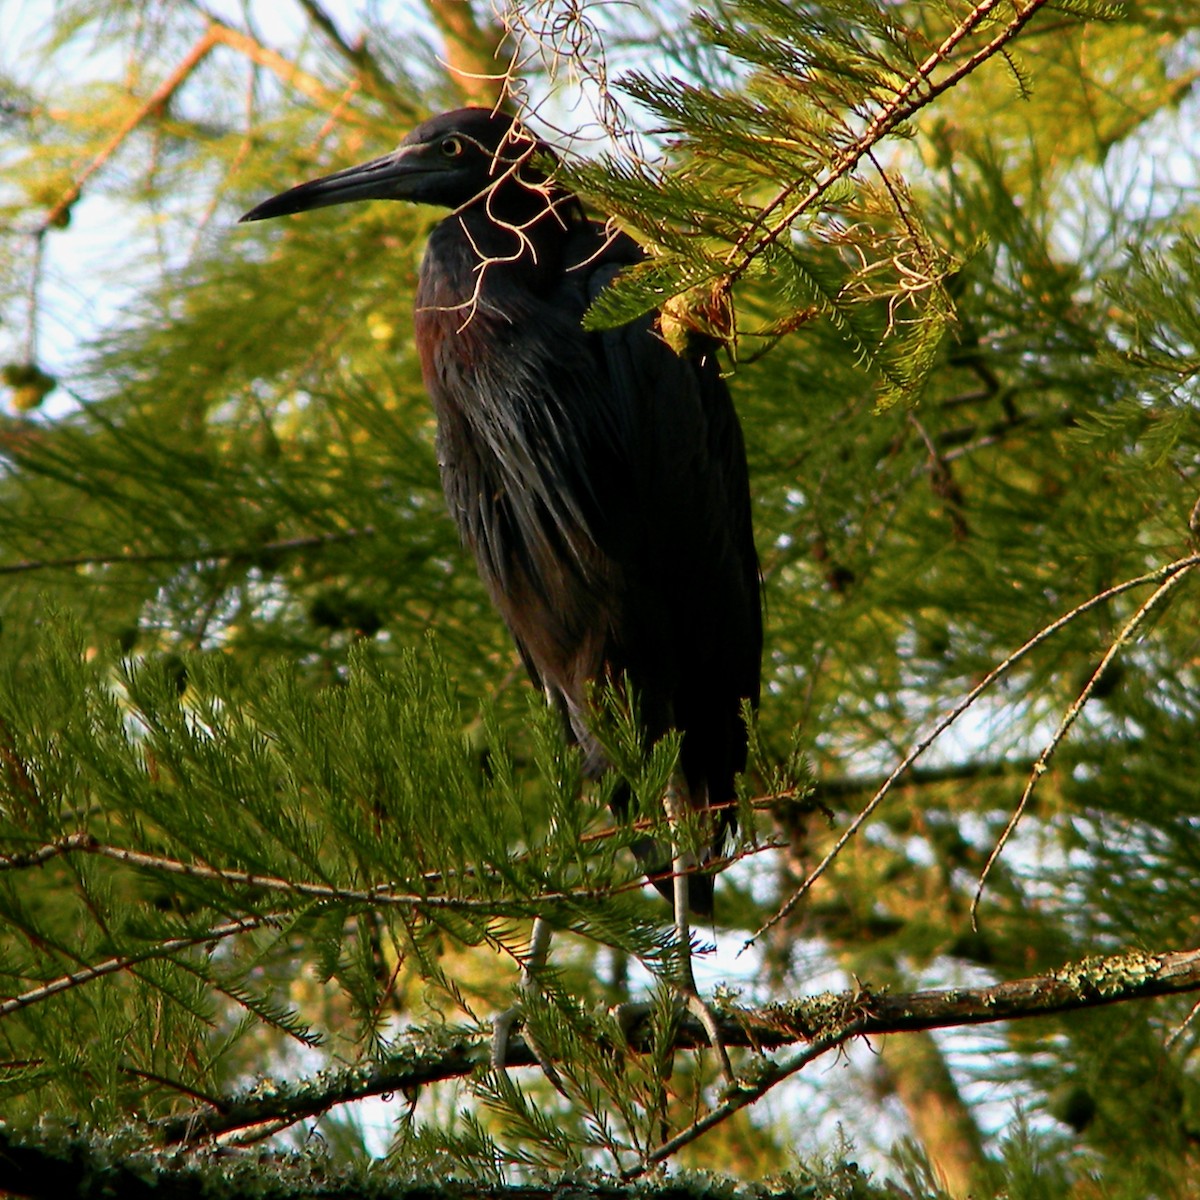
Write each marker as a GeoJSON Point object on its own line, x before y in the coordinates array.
{"type": "Point", "coordinates": [1069, 717]}
{"type": "Point", "coordinates": [1157, 576]}
{"type": "Point", "coordinates": [125, 962]}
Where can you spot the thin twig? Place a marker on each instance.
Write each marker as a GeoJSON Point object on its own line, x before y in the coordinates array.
{"type": "Point", "coordinates": [742, 1096]}
{"type": "Point", "coordinates": [1069, 718]}
{"type": "Point", "coordinates": [1178, 1033]}
{"type": "Point", "coordinates": [997, 672]}
{"type": "Point", "coordinates": [124, 962]}
{"type": "Point", "coordinates": [174, 1085]}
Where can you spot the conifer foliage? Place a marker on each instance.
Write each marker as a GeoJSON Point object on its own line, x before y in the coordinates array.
{"type": "Point", "coordinates": [277, 807]}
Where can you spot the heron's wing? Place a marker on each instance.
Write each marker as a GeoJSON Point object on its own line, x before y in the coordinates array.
{"type": "Point", "coordinates": [688, 620]}
{"type": "Point", "coordinates": [679, 506]}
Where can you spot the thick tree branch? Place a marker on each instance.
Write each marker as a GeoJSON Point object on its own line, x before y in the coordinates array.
{"type": "Point", "coordinates": [822, 1023]}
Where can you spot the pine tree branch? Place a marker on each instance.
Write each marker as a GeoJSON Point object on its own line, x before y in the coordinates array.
{"type": "Point", "coordinates": [286, 71]}
{"type": "Point", "coordinates": [917, 91]}
{"type": "Point", "coordinates": [383, 895]}
{"type": "Point", "coordinates": [822, 1022]}
{"type": "Point", "coordinates": [152, 104]}
{"type": "Point", "coordinates": [126, 962]}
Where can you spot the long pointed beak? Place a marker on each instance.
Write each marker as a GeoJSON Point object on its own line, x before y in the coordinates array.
{"type": "Point", "coordinates": [386, 178]}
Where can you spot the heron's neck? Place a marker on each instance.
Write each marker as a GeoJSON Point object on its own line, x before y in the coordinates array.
{"type": "Point", "coordinates": [510, 240]}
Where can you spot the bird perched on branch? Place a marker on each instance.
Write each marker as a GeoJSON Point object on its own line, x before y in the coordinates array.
{"type": "Point", "coordinates": [598, 477]}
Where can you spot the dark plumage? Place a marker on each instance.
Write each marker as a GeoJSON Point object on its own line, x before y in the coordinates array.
{"type": "Point", "coordinates": [598, 477]}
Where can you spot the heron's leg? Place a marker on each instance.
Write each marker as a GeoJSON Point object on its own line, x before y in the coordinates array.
{"type": "Point", "coordinates": [503, 1023]}
{"type": "Point", "coordinates": [681, 864]}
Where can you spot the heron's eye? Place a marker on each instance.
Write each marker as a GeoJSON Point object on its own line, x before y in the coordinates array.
{"type": "Point", "coordinates": [452, 147]}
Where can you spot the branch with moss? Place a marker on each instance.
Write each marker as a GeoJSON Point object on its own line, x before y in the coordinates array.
{"type": "Point", "coordinates": [821, 1023]}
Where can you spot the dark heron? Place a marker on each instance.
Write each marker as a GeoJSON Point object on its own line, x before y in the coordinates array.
{"type": "Point", "coordinates": [598, 477]}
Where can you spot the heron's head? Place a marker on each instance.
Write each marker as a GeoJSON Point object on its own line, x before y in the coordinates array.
{"type": "Point", "coordinates": [449, 160]}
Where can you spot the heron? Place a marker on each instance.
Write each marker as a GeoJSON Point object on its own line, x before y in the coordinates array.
{"type": "Point", "coordinates": [598, 476]}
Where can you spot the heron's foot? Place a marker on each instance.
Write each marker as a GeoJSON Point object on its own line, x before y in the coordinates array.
{"type": "Point", "coordinates": [630, 1014]}
{"type": "Point", "coordinates": [503, 1025]}
{"type": "Point", "coordinates": [703, 1012]}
